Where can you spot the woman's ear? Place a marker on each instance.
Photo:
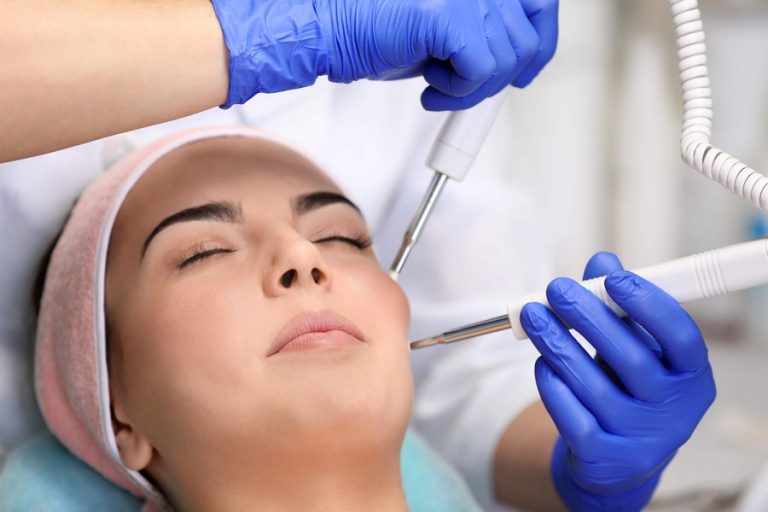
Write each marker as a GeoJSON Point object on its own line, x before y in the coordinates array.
{"type": "Point", "coordinates": [134, 447]}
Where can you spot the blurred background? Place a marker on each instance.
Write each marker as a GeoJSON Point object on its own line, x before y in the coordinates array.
{"type": "Point", "coordinates": [596, 140]}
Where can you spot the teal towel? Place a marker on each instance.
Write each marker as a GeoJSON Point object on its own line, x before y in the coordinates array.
{"type": "Point", "coordinates": [430, 483]}
{"type": "Point", "coordinates": [40, 475]}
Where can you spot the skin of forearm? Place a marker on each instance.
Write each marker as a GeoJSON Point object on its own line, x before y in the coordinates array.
{"type": "Point", "coordinates": [522, 464]}
{"type": "Point", "coordinates": [78, 70]}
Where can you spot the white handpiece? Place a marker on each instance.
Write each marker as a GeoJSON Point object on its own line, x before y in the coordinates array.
{"type": "Point", "coordinates": [717, 272]}
{"type": "Point", "coordinates": [462, 136]}
{"type": "Point", "coordinates": [453, 153]}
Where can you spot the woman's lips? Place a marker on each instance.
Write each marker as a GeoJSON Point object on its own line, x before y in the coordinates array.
{"type": "Point", "coordinates": [315, 329]}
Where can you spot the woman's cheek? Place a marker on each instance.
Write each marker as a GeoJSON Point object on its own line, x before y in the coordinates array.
{"type": "Point", "coordinates": [180, 314]}
{"type": "Point", "coordinates": [396, 296]}
{"type": "Point", "coordinates": [372, 290]}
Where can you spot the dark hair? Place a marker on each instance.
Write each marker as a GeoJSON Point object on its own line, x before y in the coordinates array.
{"type": "Point", "coordinates": [42, 272]}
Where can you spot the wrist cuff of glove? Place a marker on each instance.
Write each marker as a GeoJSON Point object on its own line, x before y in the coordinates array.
{"type": "Point", "coordinates": [273, 46]}
{"type": "Point", "coordinates": [580, 500]}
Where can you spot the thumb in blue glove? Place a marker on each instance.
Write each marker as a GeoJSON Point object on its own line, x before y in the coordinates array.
{"type": "Point", "coordinates": [621, 417]}
{"type": "Point", "coordinates": [467, 50]}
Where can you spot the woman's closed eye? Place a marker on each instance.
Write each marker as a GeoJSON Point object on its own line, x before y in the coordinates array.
{"type": "Point", "coordinates": [361, 242]}
{"type": "Point", "coordinates": [199, 252]}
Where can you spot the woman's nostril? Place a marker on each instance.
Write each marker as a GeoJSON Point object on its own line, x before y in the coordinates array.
{"type": "Point", "coordinates": [286, 280]}
{"type": "Point", "coordinates": [289, 277]}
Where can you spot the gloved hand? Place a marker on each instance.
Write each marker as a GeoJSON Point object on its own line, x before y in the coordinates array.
{"type": "Point", "coordinates": [623, 415]}
{"type": "Point", "coordinates": [467, 50]}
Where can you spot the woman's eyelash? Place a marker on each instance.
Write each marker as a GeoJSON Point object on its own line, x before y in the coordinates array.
{"type": "Point", "coordinates": [199, 252]}
{"type": "Point", "coordinates": [359, 241]}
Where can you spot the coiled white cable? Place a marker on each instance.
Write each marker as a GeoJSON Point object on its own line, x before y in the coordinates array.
{"type": "Point", "coordinates": [695, 146]}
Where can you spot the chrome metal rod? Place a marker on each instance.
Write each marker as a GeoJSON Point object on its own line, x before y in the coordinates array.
{"type": "Point", "coordinates": [413, 234]}
{"type": "Point", "coordinates": [499, 323]}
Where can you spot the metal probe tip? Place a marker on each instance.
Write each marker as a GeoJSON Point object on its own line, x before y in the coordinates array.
{"type": "Point", "coordinates": [427, 342]}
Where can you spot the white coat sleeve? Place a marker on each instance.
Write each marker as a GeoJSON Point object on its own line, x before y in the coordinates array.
{"type": "Point", "coordinates": [480, 249]}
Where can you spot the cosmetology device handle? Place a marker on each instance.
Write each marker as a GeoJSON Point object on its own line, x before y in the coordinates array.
{"type": "Point", "coordinates": [703, 275]}
{"type": "Point", "coordinates": [462, 136]}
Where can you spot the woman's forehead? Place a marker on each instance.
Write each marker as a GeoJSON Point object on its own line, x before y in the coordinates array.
{"type": "Point", "coordinates": [230, 169]}
{"type": "Point", "coordinates": [226, 158]}
{"type": "Point", "coordinates": [223, 165]}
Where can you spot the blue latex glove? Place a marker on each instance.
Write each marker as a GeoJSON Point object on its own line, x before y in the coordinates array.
{"type": "Point", "coordinates": [623, 415]}
{"type": "Point", "coordinates": [467, 50]}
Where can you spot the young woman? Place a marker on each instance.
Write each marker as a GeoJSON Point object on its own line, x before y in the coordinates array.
{"type": "Point", "coordinates": [256, 351]}
{"type": "Point", "coordinates": [216, 333]}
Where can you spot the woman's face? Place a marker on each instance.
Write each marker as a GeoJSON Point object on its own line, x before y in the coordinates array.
{"type": "Point", "coordinates": [223, 251]}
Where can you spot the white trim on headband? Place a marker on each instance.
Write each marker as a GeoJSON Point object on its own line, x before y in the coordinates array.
{"type": "Point", "coordinates": [101, 266]}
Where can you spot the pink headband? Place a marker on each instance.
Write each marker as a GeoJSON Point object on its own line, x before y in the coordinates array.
{"type": "Point", "coordinates": [71, 377]}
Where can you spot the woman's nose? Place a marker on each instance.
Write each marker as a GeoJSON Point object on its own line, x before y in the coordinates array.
{"type": "Point", "coordinates": [297, 265]}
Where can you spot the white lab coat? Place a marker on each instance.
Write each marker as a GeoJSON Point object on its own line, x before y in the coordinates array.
{"type": "Point", "coordinates": [480, 248]}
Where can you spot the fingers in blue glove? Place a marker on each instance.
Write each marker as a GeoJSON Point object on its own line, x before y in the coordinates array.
{"type": "Point", "coordinates": [602, 264]}
{"type": "Point", "coordinates": [436, 101]}
{"type": "Point", "coordinates": [586, 443]}
{"type": "Point", "coordinates": [575, 423]}
{"type": "Point", "coordinates": [660, 314]}
{"type": "Point", "coordinates": [471, 65]}
{"type": "Point", "coordinates": [638, 368]}
{"type": "Point", "coordinates": [448, 83]}
{"type": "Point", "coordinates": [573, 364]}
{"type": "Point", "coordinates": [543, 16]}
{"type": "Point", "coordinates": [451, 80]}
{"type": "Point", "coordinates": [514, 43]}
{"type": "Point", "coordinates": [449, 91]}
{"type": "Point", "coordinates": [522, 35]}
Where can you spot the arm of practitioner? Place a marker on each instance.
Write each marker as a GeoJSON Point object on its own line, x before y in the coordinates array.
{"type": "Point", "coordinates": [85, 69]}
{"type": "Point", "coordinates": [623, 415]}
{"type": "Point", "coordinates": [77, 70]}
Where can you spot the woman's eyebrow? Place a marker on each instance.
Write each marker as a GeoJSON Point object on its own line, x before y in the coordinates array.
{"type": "Point", "coordinates": [227, 211]}
{"type": "Point", "coordinates": [224, 211]}
{"type": "Point", "coordinates": [306, 203]}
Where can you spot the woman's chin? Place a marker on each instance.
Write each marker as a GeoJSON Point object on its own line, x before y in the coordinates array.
{"type": "Point", "coordinates": [353, 392]}
{"type": "Point", "coordinates": [351, 403]}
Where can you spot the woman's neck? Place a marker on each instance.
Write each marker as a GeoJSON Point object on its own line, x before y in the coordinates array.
{"type": "Point", "coordinates": [331, 483]}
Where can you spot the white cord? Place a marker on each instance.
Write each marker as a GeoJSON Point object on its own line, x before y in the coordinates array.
{"type": "Point", "coordinates": [697, 151]}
